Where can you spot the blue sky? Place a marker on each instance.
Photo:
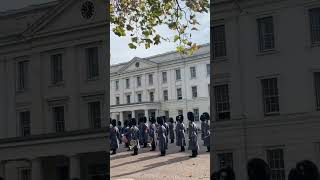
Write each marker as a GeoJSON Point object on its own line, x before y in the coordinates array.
{"type": "Point", "coordinates": [120, 52]}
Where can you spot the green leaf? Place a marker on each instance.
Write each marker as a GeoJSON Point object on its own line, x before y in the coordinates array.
{"type": "Point", "coordinates": [176, 38]}
{"type": "Point", "coordinates": [132, 46]}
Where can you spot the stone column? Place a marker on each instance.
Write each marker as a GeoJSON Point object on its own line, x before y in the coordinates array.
{"type": "Point", "coordinates": [121, 117]}
{"type": "Point", "coordinates": [146, 113]}
{"type": "Point", "coordinates": [74, 166]}
{"type": "Point", "coordinates": [36, 169]}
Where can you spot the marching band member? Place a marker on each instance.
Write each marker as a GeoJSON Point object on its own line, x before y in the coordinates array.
{"type": "Point", "coordinates": [162, 137]}
{"type": "Point", "coordinates": [120, 131]}
{"type": "Point", "coordinates": [165, 124]}
{"type": "Point", "coordinates": [134, 143]}
{"type": "Point", "coordinates": [152, 133]}
{"type": "Point", "coordinates": [145, 132]}
{"type": "Point", "coordinates": [205, 130]}
{"type": "Point", "coordinates": [114, 137]}
{"type": "Point", "coordinates": [180, 133]}
{"type": "Point", "coordinates": [193, 135]}
{"type": "Point", "coordinates": [171, 129]}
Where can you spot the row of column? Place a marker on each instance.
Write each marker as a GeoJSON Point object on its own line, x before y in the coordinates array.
{"type": "Point", "coordinates": [133, 114]}
{"type": "Point", "coordinates": [37, 168]}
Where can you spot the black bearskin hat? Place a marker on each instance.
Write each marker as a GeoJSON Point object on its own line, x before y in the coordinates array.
{"type": "Point", "coordinates": [144, 119]}
{"type": "Point", "coordinates": [179, 118]}
{"type": "Point", "coordinates": [202, 118]}
{"type": "Point", "coordinates": [160, 120]}
{"type": "Point", "coordinates": [164, 119]}
{"type": "Point", "coordinates": [114, 122]}
{"type": "Point", "coordinates": [152, 119]}
{"type": "Point", "coordinates": [171, 120]}
{"type": "Point", "coordinates": [258, 170]}
{"type": "Point", "coordinates": [206, 115]}
{"type": "Point", "coordinates": [190, 116]}
{"type": "Point", "coordinates": [294, 174]}
{"type": "Point", "coordinates": [308, 170]}
{"type": "Point", "coordinates": [133, 122]}
{"type": "Point", "coordinates": [119, 123]}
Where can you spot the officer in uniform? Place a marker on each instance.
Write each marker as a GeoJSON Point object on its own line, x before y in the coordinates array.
{"type": "Point", "coordinates": [135, 136]}
{"type": "Point", "coordinates": [193, 135]}
{"type": "Point", "coordinates": [120, 131]}
{"type": "Point", "coordinates": [114, 137]}
{"type": "Point", "coordinates": [162, 136]}
{"type": "Point", "coordinates": [171, 129]}
{"type": "Point", "coordinates": [180, 133]}
{"type": "Point", "coordinates": [205, 130]}
{"type": "Point", "coordinates": [125, 131]}
{"type": "Point", "coordinates": [152, 133]}
{"type": "Point", "coordinates": [128, 133]}
{"type": "Point", "coordinates": [145, 132]}
{"type": "Point", "coordinates": [140, 127]}
{"type": "Point", "coordinates": [166, 125]}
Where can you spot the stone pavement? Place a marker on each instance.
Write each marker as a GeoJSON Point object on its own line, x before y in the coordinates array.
{"type": "Point", "coordinates": [150, 166]}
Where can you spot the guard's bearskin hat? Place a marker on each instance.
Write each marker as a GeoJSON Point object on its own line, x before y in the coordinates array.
{"type": "Point", "coordinates": [152, 119]}
{"type": "Point", "coordinates": [190, 116]}
{"type": "Point", "coordinates": [202, 118]}
{"type": "Point", "coordinates": [258, 169]}
{"type": "Point", "coordinates": [133, 121]}
{"type": "Point", "coordinates": [171, 120]}
{"type": "Point", "coordinates": [119, 123]}
{"type": "Point", "coordinates": [308, 170]}
{"type": "Point", "coordinates": [206, 115]}
{"type": "Point", "coordinates": [179, 118]}
{"type": "Point", "coordinates": [114, 122]}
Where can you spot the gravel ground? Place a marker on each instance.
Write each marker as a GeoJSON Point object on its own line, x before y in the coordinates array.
{"type": "Point", "coordinates": [150, 166]}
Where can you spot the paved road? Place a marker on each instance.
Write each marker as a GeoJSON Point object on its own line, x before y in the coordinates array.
{"type": "Point", "coordinates": [150, 166]}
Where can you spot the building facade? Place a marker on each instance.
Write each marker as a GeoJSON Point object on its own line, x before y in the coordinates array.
{"type": "Point", "coordinates": [53, 61]}
{"type": "Point", "coordinates": [266, 82]}
{"type": "Point", "coordinates": [163, 85]}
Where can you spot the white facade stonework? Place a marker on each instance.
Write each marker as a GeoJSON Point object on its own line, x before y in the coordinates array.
{"type": "Point", "coordinates": [157, 65]}
{"type": "Point", "coordinates": [294, 129]}
{"type": "Point", "coordinates": [35, 149]}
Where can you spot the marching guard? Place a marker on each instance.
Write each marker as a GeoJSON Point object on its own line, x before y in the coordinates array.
{"type": "Point", "coordinates": [114, 137]}
{"type": "Point", "coordinates": [171, 130]}
{"type": "Point", "coordinates": [120, 131]}
{"type": "Point", "coordinates": [162, 136]}
{"type": "Point", "coordinates": [165, 124]}
{"type": "Point", "coordinates": [134, 142]}
{"type": "Point", "coordinates": [205, 130]}
{"type": "Point", "coordinates": [180, 133]}
{"type": "Point", "coordinates": [145, 132]}
{"type": "Point", "coordinates": [140, 127]}
{"type": "Point", "coordinates": [152, 133]}
{"type": "Point", "coordinates": [193, 135]}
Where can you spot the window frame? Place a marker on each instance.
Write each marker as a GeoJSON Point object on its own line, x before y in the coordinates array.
{"type": "Point", "coordinates": [261, 35]}
{"type": "Point", "coordinates": [223, 55]}
{"type": "Point", "coordinates": [277, 96]}
{"type": "Point", "coordinates": [93, 68]}
{"type": "Point", "coordinates": [225, 102]}
{"type": "Point", "coordinates": [193, 72]}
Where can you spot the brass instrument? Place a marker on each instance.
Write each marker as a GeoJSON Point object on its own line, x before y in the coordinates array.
{"type": "Point", "coordinates": [132, 144]}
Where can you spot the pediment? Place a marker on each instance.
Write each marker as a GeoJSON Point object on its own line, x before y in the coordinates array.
{"type": "Point", "coordinates": [67, 15]}
{"type": "Point", "coordinates": [137, 64]}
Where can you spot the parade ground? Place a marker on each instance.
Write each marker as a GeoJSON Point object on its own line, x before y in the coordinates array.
{"type": "Point", "coordinates": [151, 166]}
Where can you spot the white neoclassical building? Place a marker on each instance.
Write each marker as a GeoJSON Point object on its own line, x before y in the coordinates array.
{"type": "Point", "coordinates": [162, 85]}
{"type": "Point", "coordinates": [266, 81]}
{"type": "Point", "coordinates": [53, 61]}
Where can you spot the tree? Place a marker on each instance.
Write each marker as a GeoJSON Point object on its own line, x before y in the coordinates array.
{"type": "Point", "coordinates": [141, 18]}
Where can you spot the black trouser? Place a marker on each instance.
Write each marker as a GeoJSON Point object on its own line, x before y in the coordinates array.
{"type": "Point", "coordinates": [135, 150]}
{"type": "Point", "coordinates": [194, 153]}
{"type": "Point", "coordinates": [182, 148]}
{"type": "Point", "coordinates": [163, 152]}
{"type": "Point", "coordinates": [153, 145]}
{"type": "Point", "coordinates": [114, 151]}
{"type": "Point", "coordinates": [172, 141]}
{"type": "Point", "coordinates": [208, 148]}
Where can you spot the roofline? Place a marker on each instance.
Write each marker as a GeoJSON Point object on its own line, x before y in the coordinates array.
{"type": "Point", "coordinates": [154, 56]}
{"type": "Point", "coordinates": [29, 8]}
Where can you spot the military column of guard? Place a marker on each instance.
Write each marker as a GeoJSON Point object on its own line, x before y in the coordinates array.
{"type": "Point", "coordinates": [158, 133]}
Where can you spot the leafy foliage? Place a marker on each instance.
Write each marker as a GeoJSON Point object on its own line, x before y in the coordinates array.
{"type": "Point", "coordinates": [141, 18]}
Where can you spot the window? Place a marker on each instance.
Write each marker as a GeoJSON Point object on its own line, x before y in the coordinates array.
{"type": "Point", "coordinates": [22, 75]}
{"type": "Point", "coordinates": [117, 85]}
{"type": "Point", "coordinates": [219, 42]}
{"type": "Point", "coordinates": [166, 113]}
{"type": "Point", "coordinates": [222, 107]}
{"type": "Point", "coordinates": [208, 69]}
{"type": "Point", "coordinates": [225, 160]}
{"type": "Point", "coordinates": [139, 97]}
{"type": "Point", "coordinates": [178, 74]}
{"type": "Point", "coordinates": [164, 77]}
{"type": "Point", "coordinates": [270, 96]}
{"type": "Point", "coordinates": [127, 83]}
{"type": "Point", "coordinates": [92, 63]}
{"type": "Point", "coordinates": [128, 99]}
{"type": "Point", "coordinates": [276, 164]}
{"type": "Point", "coordinates": [194, 91]}
{"type": "Point", "coordinates": [193, 72]}
{"type": "Point", "coordinates": [25, 123]}
{"type": "Point", "coordinates": [180, 112]}
{"type": "Point", "coordinates": [24, 174]}
{"type": "Point", "coordinates": [165, 95]}
{"type": "Point", "coordinates": [138, 81]}
{"type": "Point", "coordinates": [150, 79]}
{"type": "Point", "coordinates": [95, 114]}
{"type": "Point", "coordinates": [196, 114]}
{"type": "Point", "coordinates": [317, 89]}
{"type": "Point", "coordinates": [315, 25]}
{"type": "Point", "coordinates": [58, 115]}
{"type": "Point", "coordinates": [117, 100]}
{"type": "Point", "coordinates": [151, 96]}
{"type": "Point", "coordinates": [56, 68]}
{"type": "Point", "coordinates": [179, 93]}
{"type": "Point", "coordinates": [266, 33]}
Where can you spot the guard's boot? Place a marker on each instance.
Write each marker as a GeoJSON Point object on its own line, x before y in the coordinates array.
{"type": "Point", "coordinates": [135, 151]}
{"type": "Point", "coordinates": [194, 154]}
{"type": "Point", "coordinates": [163, 153]}
{"type": "Point", "coordinates": [182, 149]}
{"type": "Point", "coordinates": [172, 141]}
{"type": "Point", "coordinates": [114, 151]}
{"type": "Point", "coordinates": [208, 148]}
